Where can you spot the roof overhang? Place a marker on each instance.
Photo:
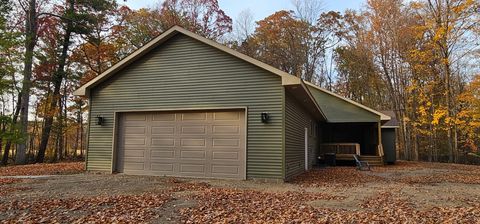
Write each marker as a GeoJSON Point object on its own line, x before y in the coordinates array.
{"type": "Point", "coordinates": [301, 93]}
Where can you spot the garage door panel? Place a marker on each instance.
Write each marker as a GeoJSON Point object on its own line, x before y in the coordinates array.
{"type": "Point", "coordinates": [136, 117]}
{"type": "Point", "coordinates": [194, 116]}
{"type": "Point", "coordinates": [192, 168]}
{"type": "Point", "coordinates": [163, 130]}
{"type": "Point", "coordinates": [225, 129]}
{"type": "Point", "coordinates": [163, 117]}
{"type": "Point", "coordinates": [199, 142]}
{"type": "Point", "coordinates": [190, 154]}
{"type": "Point", "coordinates": [225, 155]}
{"type": "Point", "coordinates": [135, 130]}
{"type": "Point", "coordinates": [225, 169]}
{"type": "Point", "coordinates": [162, 167]}
{"type": "Point", "coordinates": [137, 141]}
{"type": "Point", "coordinates": [226, 116]}
{"type": "Point", "coordinates": [162, 149]}
{"type": "Point", "coordinates": [194, 130]}
{"type": "Point", "coordinates": [155, 160]}
{"type": "Point", "coordinates": [134, 153]}
{"type": "Point", "coordinates": [166, 154]}
{"type": "Point", "coordinates": [162, 141]}
{"type": "Point", "coordinates": [134, 164]}
{"type": "Point", "coordinates": [188, 144]}
{"type": "Point", "coordinates": [226, 143]}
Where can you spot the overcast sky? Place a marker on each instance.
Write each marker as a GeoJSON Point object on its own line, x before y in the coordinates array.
{"type": "Point", "coordinates": [259, 8]}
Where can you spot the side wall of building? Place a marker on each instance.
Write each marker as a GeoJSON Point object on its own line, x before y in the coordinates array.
{"type": "Point", "coordinates": [296, 120]}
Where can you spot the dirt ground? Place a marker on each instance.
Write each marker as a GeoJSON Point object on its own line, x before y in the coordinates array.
{"type": "Point", "coordinates": [403, 193]}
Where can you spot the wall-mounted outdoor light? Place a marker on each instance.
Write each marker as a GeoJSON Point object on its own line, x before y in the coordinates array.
{"type": "Point", "coordinates": [265, 117]}
{"type": "Point", "coordinates": [100, 120]}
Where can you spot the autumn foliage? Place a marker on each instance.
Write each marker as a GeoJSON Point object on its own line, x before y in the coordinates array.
{"type": "Point", "coordinates": [417, 58]}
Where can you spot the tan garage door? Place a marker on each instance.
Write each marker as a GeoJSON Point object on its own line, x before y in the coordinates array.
{"type": "Point", "coordinates": [186, 144]}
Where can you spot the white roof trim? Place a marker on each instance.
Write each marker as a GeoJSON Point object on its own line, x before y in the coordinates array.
{"type": "Point", "coordinates": [390, 126]}
{"type": "Point", "coordinates": [287, 79]}
{"type": "Point", "coordinates": [383, 116]}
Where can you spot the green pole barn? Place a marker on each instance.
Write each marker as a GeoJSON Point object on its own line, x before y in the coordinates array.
{"type": "Point", "coordinates": [183, 105]}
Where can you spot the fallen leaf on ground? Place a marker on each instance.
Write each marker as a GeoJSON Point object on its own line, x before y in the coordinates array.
{"type": "Point", "coordinates": [338, 176]}
{"type": "Point", "coordinates": [4, 181]}
{"type": "Point", "coordinates": [249, 206]}
{"type": "Point", "coordinates": [101, 209]}
{"type": "Point", "coordinates": [43, 169]}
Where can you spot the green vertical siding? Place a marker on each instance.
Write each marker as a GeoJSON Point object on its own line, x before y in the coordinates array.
{"type": "Point", "coordinates": [340, 111]}
{"type": "Point", "coordinates": [389, 146]}
{"type": "Point", "coordinates": [296, 120]}
{"type": "Point", "coordinates": [185, 73]}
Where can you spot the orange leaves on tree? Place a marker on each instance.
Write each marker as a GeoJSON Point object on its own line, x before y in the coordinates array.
{"type": "Point", "coordinates": [281, 40]}
{"type": "Point", "coordinates": [201, 16]}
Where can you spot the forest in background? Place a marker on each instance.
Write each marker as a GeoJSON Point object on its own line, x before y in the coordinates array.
{"type": "Point", "coordinates": [420, 59]}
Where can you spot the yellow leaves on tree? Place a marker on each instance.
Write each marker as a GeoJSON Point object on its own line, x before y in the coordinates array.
{"type": "Point", "coordinates": [438, 115]}
{"type": "Point", "coordinates": [468, 119]}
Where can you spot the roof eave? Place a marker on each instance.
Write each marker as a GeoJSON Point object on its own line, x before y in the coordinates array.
{"type": "Point", "coordinates": [310, 95]}
{"type": "Point", "coordinates": [80, 92]}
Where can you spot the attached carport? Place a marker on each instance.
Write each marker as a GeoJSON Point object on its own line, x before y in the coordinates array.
{"type": "Point", "coordinates": [350, 128]}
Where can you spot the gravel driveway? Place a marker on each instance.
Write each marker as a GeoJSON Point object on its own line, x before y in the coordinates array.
{"type": "Point", "coordinates": [406, 192]}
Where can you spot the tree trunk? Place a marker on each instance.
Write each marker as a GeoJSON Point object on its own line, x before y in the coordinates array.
{"type": "Point", "coordinates": [30, 42]}
{"type": "Point", "coordinates": [63, 145]}
{"type": "Point", "coordinates": [8, 145]}
{"type": "Point", "coordinates": [57, 83]}
{"type": "Point", "coordinates": [55, 148]}
{"type": "Point", "coordinates": [77, 135]}
{"type": "Point", "coordinates": [4, 129]}
{"type": "Point", "coordinates": [33, 135]}
{"type": "Point", "coordinates": [435, 147]}
{"type": "Point", "coordinates": [59, 129]}
{"type": "Point", "coordinates": [451, 155]}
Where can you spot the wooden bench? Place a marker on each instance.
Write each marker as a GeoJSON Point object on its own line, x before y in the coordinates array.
{"type": "Point", "coordinates": [361, 165]}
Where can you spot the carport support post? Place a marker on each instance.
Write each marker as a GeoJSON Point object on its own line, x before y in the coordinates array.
{"type": "Point", "coordinates": [380, 147]}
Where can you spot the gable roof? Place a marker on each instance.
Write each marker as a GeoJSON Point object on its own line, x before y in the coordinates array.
{"type": "Point", "coordinates": [383, 117]}
{"type": "Point", "coordinates": [393, 123]}
{"type": "Point", "coordinates": [287, 79]}
{"type": "Point", "coordinates": [83, 90]}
